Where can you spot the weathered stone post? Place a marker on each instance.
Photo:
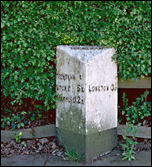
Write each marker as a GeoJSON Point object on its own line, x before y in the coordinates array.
{"type": "Point", "coordinates": [86, 116]}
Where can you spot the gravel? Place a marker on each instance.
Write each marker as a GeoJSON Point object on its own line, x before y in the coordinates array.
{"type": "Point", "coordinates": [49, 145]}
{"type": "Point", "coordinates": [42, 145]}
{"type": "Point", "coordinates": [43, 141]}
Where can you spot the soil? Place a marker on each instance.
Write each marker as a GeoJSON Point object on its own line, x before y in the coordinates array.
{"type": "Point", "coordinates": [29, 107]}
{"type": "Point", "coordinates": [38, 122]}
{"type": "Point", "coordinates": [144, 122]}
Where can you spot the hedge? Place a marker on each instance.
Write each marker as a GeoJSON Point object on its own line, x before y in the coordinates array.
{"type": "Point", "coordinates": [31, 30]}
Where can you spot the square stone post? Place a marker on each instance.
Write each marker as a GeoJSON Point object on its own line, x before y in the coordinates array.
{"type": "Point", "coordinates": [86, 115]}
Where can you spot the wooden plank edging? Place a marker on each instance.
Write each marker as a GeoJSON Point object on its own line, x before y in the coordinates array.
{"type": "Point", "coordinates": [35, 132]}
{"type": "Point", "coordinates": [50, 130]}
{"type": "Point", "coordinates": [140, 83]}
{"type": "Point", "coordinates": [142, 132]}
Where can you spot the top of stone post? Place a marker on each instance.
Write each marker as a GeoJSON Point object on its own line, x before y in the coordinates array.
{"type": "Point", "coordinates": [84, 53]}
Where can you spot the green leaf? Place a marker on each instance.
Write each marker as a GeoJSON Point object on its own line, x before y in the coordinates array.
{"type": "Point", "coordinates": [22, 124]}
{"type": "Point", "coordinates": [19, 125]}
{"type": "Point", "coordinates": [29, 53]}
{"type": "Point", "coordinates": [123, 112]}
{"type": "Point", "coordinates": [32, 118]}
{"type": "Point", "coordinates": [20, 133]}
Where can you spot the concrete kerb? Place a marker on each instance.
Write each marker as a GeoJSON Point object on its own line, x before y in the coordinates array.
{"type": "Point", "coordinates": [35, 132]}
{"type": "Point", "coordinates": [143, 158]}
{"type": "Point", "coordinates": [50, 130]}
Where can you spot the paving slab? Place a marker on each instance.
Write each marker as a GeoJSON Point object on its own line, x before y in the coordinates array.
{"type": "Point", "coordinates": [143, 158]}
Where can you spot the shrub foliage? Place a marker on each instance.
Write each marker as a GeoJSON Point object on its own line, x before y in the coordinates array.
{"type": "Point", "coordinates": [31, 30]}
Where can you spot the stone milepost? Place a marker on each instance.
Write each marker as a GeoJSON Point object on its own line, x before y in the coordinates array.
{"type": "Point", "coordinates": [86, 114]}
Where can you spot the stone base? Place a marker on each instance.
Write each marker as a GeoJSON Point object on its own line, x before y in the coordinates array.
{"type": "Point", "coordinates": [91, 145]}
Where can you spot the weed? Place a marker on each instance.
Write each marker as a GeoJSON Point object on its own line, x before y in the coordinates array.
{"type": "Point", "coordinates": [18, 139]}
{"type": "Point", "coordinates": [128, 146]}
{"type": "Point", "coordinates": [73, 155]}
